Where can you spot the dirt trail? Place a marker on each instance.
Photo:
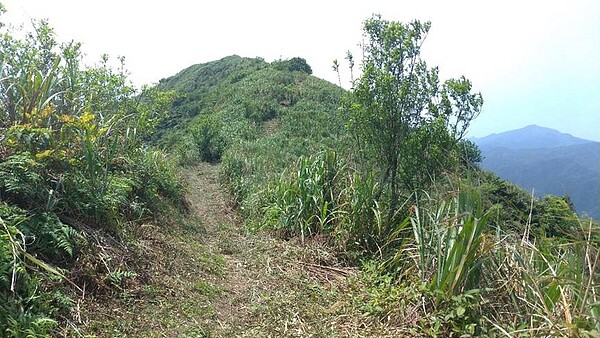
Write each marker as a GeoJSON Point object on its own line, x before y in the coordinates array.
{"type": "Point", "coordinates": [224, 238]}
{"type": "Point", "coordinates": [265, 290]}
{"type": "Point", "coordinates": [206, 197]}
{"type": "Point", "coordinates": [209, 277]}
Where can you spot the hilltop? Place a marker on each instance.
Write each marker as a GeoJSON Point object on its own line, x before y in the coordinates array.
{"type": "Point", "coordinates": [251, 115]}
{"type": "Point", "coordinates": [248, 198]}
{"type": "Point", "coordinates": [548, 162]}
{"type": "Point", "coordinates": [530, 137]}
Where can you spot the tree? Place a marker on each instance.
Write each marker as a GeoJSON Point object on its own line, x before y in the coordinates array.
{"type": "Point", "coordinates": [294, 64]}
{"type": "Point", "coordinates": [299, 64]}
{"type": "Point", "coordinates": [404, 120]}
{"type": "Point", "coordinates": [470, 154]}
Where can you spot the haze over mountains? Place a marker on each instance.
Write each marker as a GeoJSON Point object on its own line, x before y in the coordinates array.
{"type": "Point", "coordinates": [547, 161]}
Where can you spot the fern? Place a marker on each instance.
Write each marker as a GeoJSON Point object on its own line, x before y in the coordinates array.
{"type": "Point", "coordinates": [19, 177]}
{"type": "Point", "coordinates": [23, 308]}
{"type": "Point", "coordinates": [43, 233]}
{"type": "Point", "coordinates": [50, 237]}
{"type": "Point", "coordinates": [64, 238]}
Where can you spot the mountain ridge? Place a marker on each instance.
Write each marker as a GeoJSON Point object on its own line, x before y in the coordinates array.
{"type": "Point", "coordinates": [529, 137]}
{"type": "Point", "coordinates": [546, 161]}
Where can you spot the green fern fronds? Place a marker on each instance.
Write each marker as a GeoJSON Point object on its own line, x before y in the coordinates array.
{"type": "Point", "coordinates": [19, 176]}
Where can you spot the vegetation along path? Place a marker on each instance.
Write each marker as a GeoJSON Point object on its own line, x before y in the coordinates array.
{"type": "Point", "coordinates": [213, 278]}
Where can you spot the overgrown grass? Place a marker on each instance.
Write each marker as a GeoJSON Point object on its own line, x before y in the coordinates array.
{"type": "Point", "coordinates": [75, 173]}
{"type": "Point", "coordinates": [473, 279]}
{"type": "Point", "coordinates": [471, 255]}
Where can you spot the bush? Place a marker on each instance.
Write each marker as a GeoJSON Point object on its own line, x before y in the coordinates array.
{"type": "Point", "coordinates": [294, 64]}
{"type": "Point", "coordinates": [73, 164]}
{"type": "Point", "coordinates": [208, 137]}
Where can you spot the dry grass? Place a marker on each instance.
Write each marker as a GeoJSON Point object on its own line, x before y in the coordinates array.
{"type": "Point", "coordinates": [209, 277]}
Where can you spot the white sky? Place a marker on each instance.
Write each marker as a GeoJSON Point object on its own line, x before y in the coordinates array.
{"type": "Point", "coordinates": [535, 62]}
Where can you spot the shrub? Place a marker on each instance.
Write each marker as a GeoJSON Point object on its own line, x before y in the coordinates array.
{"type": "Point", "coordinates": [73, 163]}
{"type": "Point", "coordinates": [208, 137]}
{"type": "Point", "coordinates": [294, 64]}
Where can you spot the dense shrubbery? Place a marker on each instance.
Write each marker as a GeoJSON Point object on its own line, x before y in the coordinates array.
{"type": "Point", "coordinates": [295, 64]}
{"type": "Point", "coordinates": [72, 161]}
{"type": "Point", "coordinates": [470, 248]}
{"type": "Point", "coordinates": [466, 252]}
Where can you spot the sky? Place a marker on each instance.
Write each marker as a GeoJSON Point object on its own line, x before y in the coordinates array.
{"type": "Point", "coordinates": [535, 62]}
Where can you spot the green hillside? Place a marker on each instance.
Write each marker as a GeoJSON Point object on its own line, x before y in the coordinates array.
{"type": "Point", "coordinates": [246, 198]}
{"type": "Point", "coordinates": [291, 164]}
{"type": "Point", "coordinates": [258, 118]}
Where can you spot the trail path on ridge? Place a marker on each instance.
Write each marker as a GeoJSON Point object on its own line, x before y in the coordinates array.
{"type": "Point", "coordinates": [269, 287]}
{"type": "Point", "coordinates": [210, 277]}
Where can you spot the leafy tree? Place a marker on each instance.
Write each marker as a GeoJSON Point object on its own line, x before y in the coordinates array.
{"type": "Point", "coordinates": [293, 64]}
{"type": "Point", "coordinates": [405, 121]}
{"type": "Point", "coordinates": [469, 153]}
{"type": "Point", "coordinates": [299, 64]}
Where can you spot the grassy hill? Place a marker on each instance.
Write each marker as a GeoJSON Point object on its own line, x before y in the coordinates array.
{"type": "Point", "coordinates": [288, 161]}
{"type": "Point", "coordinates": [258, 118]}
{"type": "Point", "coordinates": [99, 233]}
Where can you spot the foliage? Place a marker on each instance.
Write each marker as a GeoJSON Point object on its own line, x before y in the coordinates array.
{"type": "Point", "coordinates": [549, 288]}
{"type": "Point", "coordinates": [470, 155]}
{"type": "Point", "coordinates": [306, 201]}
{"type": "Point", "coordinates": [322, 195]}
{"type": "Point", "coordinates": [207, 134]}
{"type": "Point", "coordinates": [449, 239]}
{"type": "Point", "coordinates": [199, 88]}
{"type": "Point", "coordinates": [23, 309]}
{"type": "Point", "coordinates": [558, 217]}
{"type": "Point", "coordinates": [404, 121]}
{"type": "Point", "coordinates": [294, 64]}
{"type": "Point", "coordinates": [73, 165]}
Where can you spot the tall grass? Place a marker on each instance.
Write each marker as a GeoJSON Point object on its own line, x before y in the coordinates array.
{"type": "Point", "coordinates": [322, 195]}
{"type": "Point", "coordinates": [477, 279]}
{"type": "Point", "coordinates": [308, 200]}
{"type": "Point", "coordinates": [73, 164]}
{"type": "Point", "coordinates": [449, 241]}
{"type": "Point", "coordinates": [548, 286]}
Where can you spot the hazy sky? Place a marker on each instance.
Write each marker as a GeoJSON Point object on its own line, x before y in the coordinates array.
{"type": "Point", "coordinates": [535, 62]}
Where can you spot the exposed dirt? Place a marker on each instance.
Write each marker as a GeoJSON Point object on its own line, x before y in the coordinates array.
{"type": "Point", "coordinates": [209, 277]}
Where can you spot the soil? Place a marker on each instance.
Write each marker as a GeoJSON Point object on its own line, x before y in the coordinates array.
{"type": "Point", "coordinates": [208, 276]}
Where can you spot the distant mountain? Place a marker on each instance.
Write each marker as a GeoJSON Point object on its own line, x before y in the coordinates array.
{"type": "Point", "coordinates": [548, 161]}
{"type": "Point", "coordinates": [530, 137]}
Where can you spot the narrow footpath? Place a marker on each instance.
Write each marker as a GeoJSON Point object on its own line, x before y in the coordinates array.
{"type": "Point", "coordinates": [210, 277]}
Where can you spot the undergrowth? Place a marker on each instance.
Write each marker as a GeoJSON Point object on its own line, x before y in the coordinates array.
{"type": "Point", "coordinates": [443, 249]}
{"type": "Point", "coordinates": [75, 178]}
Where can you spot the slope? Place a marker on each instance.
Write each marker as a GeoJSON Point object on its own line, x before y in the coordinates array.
{"type": "Point", "coordinates": [194, 86]}
{"type": "Point", "coordinates": [548, 162]}
{"type": "Point", "coordinates": [215, 279]}
{"type": "Point", "coordinates": [530, 137]}
{"type": "Point", "coordinates": [257, 120]}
